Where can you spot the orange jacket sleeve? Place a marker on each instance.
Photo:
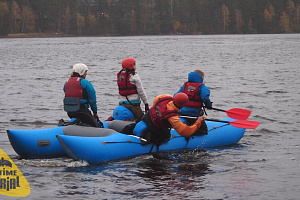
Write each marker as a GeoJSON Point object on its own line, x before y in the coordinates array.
{"type": "Point", "coordinates": [181, 128]}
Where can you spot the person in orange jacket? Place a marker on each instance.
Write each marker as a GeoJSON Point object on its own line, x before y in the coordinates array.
{"type": "Point", "coordinates": [163, 116]}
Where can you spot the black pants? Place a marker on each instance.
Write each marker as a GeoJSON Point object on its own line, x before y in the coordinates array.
{"type": "Point", "coordinates": [201, 131]}
{"type": "Point", "coordinates": [153, 134]}
{"type": "Point", "coordinates": [85, 116]}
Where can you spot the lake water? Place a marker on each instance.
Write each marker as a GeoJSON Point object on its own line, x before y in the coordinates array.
{"type": "Point", "coordinates": [255, 72]}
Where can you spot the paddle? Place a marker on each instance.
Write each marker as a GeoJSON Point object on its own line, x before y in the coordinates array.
{"type": "Point", "coordinates": [236, 113]}
{"type": "Point", "coordinates": [239, 123]}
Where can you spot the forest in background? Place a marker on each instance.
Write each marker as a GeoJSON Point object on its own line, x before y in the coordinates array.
{"type": "Point", "coordinates": [148, 17]}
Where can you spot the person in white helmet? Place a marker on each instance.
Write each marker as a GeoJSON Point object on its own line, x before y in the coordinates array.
{"type": "Point", "coordinates": [80, 95]}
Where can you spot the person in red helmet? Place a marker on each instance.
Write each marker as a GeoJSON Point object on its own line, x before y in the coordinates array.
{"type": "Point", "coordinates": [131, 89]}
{"type": "Point", "coordinates": [163, 116]}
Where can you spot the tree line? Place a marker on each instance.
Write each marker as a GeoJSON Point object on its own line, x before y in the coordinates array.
{"type": "Point", "coordinates": [148, 17]}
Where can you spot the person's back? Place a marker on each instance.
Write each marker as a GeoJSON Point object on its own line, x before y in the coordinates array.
{"type": "Point", "coordinates": [198, 94]}
{"type": "Point", "coordinates": [131, 89]}
{"type": "Point", "coordinates": [163, 116]}
{"type": "Point", "coordinates": [199, 98]}
{"type": "Point", "coordinates": [80, 95]}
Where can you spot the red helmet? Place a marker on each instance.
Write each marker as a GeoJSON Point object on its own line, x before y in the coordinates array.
{"type": "Point", "coordinates": [128, 63]}
{"type": "Point", "coordinates": [180, 99]}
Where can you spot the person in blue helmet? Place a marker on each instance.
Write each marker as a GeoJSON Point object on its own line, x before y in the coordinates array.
{"type": "Point", "coordinates": [80, 95]}
{"type": "Point", "coordinates": [199, 99]}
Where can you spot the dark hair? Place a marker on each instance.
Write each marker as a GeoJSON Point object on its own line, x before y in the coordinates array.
{"type": "Point", "coordinates": [75, 74]}
{"type": "Point", "coordinates": [128, 71]}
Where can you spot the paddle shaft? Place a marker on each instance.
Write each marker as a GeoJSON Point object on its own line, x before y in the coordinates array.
{"type": "Point", "coordinates": [218, 109]}
{"type": "Point", "coordinates": [214, 120]}
{"type": "Point", "coordinates": [142, 139]}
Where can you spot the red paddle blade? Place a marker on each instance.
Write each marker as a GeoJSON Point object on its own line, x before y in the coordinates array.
{"type": "Point", "coordinates": [238, 113]}
{"type": "Point", "coordinates": [244, 124]}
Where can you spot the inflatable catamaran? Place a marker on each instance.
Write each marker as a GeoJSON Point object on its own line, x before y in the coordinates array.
{"type": "Point", "coordinates": [96, 145]}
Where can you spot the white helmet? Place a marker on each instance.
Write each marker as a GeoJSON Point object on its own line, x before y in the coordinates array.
{"type": "Point", "coordinates": [80, 68]}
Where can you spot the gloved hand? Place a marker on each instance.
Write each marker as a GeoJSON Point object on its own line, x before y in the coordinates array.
{"type": "Point", "coordinates": [100, 124]}
{"type": "Point", "coordinates": [209, 106]}
{"type": "Point", "coordinates": [146, 107]}
{"type": "Point", "coordinates": [98, 120]}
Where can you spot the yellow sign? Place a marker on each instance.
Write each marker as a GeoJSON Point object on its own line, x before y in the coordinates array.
{"type": "Point", "coordinates": [12, 181]}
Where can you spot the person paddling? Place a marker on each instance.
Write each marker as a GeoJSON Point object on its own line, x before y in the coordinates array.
{"type": "Point", "coordinates": [198, 95]}
{"type": "Point", "coordinates": [80, 95]}
{"type": "Point", "coordinates": [131, 89]}
{"type": "Point", "coordinates": [163, 116]}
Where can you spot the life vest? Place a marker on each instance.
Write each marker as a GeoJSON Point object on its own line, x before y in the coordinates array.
{"type": "Point", "coordinates": [159, 113]}
{"type": "Point", "coordinates": [191, 90]}
{"type": "Point", "coordinates": [125, 87]}
{"type": "Point", "coordinates": [73, 88]}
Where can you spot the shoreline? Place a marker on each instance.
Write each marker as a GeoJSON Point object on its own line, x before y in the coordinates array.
{"type": "Point", "coordinates": [34, 35]}
{"type": "Point", "coordinates": [53, 35]}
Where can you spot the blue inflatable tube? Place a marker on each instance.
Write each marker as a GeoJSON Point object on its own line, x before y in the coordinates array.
{"type": "Point", "coordinates": [37, 143]}
{"type": "Point", "coordinates": [42, 143]}
{"type": "Point", "coordinates": [122, 113]}
{"type": "Point", "coordinates": [95, 150]}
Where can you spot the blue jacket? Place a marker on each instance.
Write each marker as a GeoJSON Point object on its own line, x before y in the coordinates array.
{"type": "Point", "coordinates": [204, 94]}
{"type": "Point", "coordinates": [91, 95]}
